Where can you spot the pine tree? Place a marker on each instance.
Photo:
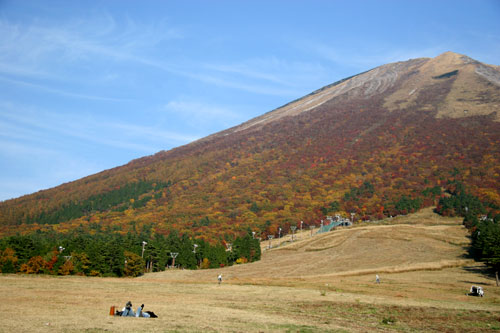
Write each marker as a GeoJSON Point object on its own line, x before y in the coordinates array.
{"type": "Point", "coordinates": [486, 244]}
{"type": "Point", "coordinates": [186, 257]}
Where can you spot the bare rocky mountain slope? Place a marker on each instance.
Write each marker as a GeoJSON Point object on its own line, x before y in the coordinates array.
{"type": "Point", "coordinates": [415, 75]}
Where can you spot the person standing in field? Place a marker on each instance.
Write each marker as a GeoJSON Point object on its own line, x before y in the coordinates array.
{"type": "Point", "coordinates": [219, 278]}
{"type": "Point", "coordinates": [377, 278]}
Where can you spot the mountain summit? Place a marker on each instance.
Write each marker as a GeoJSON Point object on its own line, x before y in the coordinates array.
{"type": "Point", "coordinates": [380, 143]}
{"type": "Point", "coordinates": [405, 80]}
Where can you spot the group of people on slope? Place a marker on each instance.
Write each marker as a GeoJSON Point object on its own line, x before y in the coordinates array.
{"type": "Point", "coordinates": [127, 311]}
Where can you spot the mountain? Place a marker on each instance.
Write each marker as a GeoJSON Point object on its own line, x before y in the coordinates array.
{"type": "Point", "coordinates": [384, 142]}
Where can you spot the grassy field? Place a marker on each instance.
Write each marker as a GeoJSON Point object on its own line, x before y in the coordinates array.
{"type": "Point", "coordinates": [320, 283]}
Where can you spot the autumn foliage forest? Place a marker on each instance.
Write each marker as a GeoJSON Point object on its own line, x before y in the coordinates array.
{"type": "Point", "coordinates": [353, 156]}
{"type": "Point", "coordinates": [104, 253]}
{"type": "Point", "coordinates": [348, 155]}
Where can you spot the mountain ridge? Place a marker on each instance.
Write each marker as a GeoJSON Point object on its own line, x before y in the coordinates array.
{"type": "Point", "coordinates": [389, 71]}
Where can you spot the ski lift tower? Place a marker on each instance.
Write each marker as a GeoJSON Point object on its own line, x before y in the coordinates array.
{"type": "Point", "coordinates": [143, 244]}
{"type": "Point", "coordinates": [174, 255]}
{"type": "Point", "coordinates": [270, 237]}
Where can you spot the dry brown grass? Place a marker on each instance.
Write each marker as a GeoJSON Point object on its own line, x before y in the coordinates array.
{"type": "Point", "coordinates": [320, 283]}
{"type": "Point", "coordinates": [469, 91]}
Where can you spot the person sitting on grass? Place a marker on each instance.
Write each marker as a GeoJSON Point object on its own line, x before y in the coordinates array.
{"type": "Point", "coordinates": [127, 310]}
{"type": "Point", "coordinates": [140, 313]}
{"type": "Point", "coordinates": [145, 314]}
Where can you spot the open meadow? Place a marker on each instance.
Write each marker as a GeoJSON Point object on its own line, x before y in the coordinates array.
{"type": "Point", "coordinates": [319, 283]}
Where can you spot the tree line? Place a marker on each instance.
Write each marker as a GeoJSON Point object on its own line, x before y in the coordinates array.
{"type": "Point", "coordinates": [131, 195]}
{"type": "Point", "coordinates": [481, 218]}
{"type": "Point", "coordinates": [111, 254]}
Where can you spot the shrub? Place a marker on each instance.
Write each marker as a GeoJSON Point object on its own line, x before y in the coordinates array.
{"type": "Point", "coordinates": [242, 260]}
{"type": "Point", "coordinates": [95, 273]}
{"type": "Point", "coordinates": [35, 265]}
{"type": "Point", "coordinates": [134, 264]}
{"type": "Point", "coordinates": [66, 269]}
{"type": "Point", "coordinates": [388, 320]}
{"type": "Point", "coordinates": [323, 290]}
{"type": "Point", "coordinates": [205, 263]}
{"type": "Point", "coordinates": [8, 261]}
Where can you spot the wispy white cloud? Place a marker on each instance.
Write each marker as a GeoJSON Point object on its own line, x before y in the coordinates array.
{"type": "Point", "coordinates": [197, 109]}
{"type": "Point", "coordinates": [79, 39]}
{"type": "Point", "coordinates": [45, 50]}
{"type": "Point", "coordinates": [153, 133]}
{"type": "Point", "coordinates": [30, 124]}
{"type": "Point", "coordinates": [16, 148]}
{"type": "Point", "coordinates": [256, 87]}
{"type": "Point", "coordinates": [202, 116]}
{"type": "Point", "coordinates": [15, 131]}
{"type": "Point", "coordinates": [271, 75]}
{"type": "Point", "coordinates": [247, 71]}
{"type": "Point", "coordinates": [368, 58]}
{"type": "Point", "coordinates": [16, 70]}
{"type": "Point", "coordinates": [63, 92]}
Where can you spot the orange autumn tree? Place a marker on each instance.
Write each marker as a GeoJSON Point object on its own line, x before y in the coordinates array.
{"type": "Point", "coordinates": [36, 265]}
{"type": "Point", "coordinates": [8, 261]}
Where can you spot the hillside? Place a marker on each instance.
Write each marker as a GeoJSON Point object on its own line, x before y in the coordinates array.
{"type": "Point", "coordinates": [324, 283]}
{"type": "Point", "coordinates": [380, 143]}
{"type": "Point", "coordinates": [421, 241]}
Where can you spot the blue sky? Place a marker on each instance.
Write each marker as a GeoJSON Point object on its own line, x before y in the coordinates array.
{"type": "Point", "coordinates": [90, 85]}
